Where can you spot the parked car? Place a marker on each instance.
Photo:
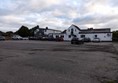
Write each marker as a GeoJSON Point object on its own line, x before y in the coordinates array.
{"type": "Point", "coordinates": [51, 39]}
{"type": "Point", "coordinates": [86, 39]}
{"type": "Point", "coordinates": [75, 40]}
{"type": "Point", "coordinates": [44, 38]}
{"type": "Point", "coordinates": [33, 38]}
{"type": "Point", "coordinates": [25, 38]}
{"type": "Point", "coordinates": [96, 40]}
{"type": "Point", "coordinates": [59, 39]}
{"type": "Point", "coordinates": [17, 37]}
{"type": "Point", "coordinates": [2, 38]}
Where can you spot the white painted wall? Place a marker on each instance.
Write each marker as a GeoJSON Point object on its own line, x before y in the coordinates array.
{"type": "Point", "coordinates": [55, 35]}
{"type": "Point", "coordinates": [102, 36]}
{"type": "Point", "coordinates": [37, 30]}
{"type": "Point", "coordinates": [48, 31]}
{"type": "Point", "coordinates": [66, 38]}
{"type": "Point", "coordinates": [68, 32]}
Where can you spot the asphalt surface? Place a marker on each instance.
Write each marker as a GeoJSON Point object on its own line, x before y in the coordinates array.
{"type": "Point", "coordinates": [58, 62]}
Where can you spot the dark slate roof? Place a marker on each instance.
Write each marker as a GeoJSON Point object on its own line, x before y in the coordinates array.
{"type": "Point", "coordinates": [53, 30]}
{"type": "Point", "coordinates": [64, 31]}
{"type": "Point", "coordinates": [91, 30]}
{"type": "Point", "coordinates": [76, 27]}
{"type": "Point", "coordinates": [48, 29]}
{"type": "Point", "coordinates": [42, 29]}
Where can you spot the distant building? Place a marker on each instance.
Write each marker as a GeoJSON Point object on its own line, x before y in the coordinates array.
{"type": "Point", "coordinates": [103, 34]}
{"type": "Point", "coordinates": [0, 33]}
{"type": "Point", "coordinates": [44, 32]}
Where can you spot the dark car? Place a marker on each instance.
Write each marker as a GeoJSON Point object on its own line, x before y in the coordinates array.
{"type": "Point", "coordinates": [86, 39]}
{"type": "Point", "coordinates": [51, 39]}
{"type": "Point", "coordinates": [59, 39]}
{"type": "Point", "coordinates": [75, 40]}
{"type": "Point", "coordinates": [2, 38]}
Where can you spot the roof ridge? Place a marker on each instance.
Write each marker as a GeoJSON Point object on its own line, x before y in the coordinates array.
{"type": "Point", "coordinates": [76, 26]}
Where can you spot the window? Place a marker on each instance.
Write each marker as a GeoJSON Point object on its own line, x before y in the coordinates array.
{"type": "Point", "coordinates": [57, 36]}
{"type": "Point", "coordinates": [108, 34]}
{"type": "Point", "coordinates": [96, 36]}
{"type": "Point", "coordinates": [74, 36]}
{"type": "Point", "coordinates": [69, 36]}
{"type": "Point", "coordinates": [82, 36]}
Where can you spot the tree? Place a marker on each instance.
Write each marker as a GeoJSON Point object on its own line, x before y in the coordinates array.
{"type": "Point", "coordinates": [9, 33]}
{"type": "Point", "coordinates": [115, 35]}
{"type": "Point", "coordinates": [23, 31]}
{"type": "Point", "coordinates": [1, 33]}
{"type": "Point", "coordinates": [33, 30]}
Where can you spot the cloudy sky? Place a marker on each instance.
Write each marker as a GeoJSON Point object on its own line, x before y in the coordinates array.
{"type": "Point", "coordinates": [58, 14]}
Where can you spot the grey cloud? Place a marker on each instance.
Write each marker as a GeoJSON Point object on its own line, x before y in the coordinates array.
{"type": "Point", "coordinates": [60, 14]}
{"type": "Point", "coordinates": [4, 12]}
{"type": "Point", "coordinates": [95, 19]}
{"type": "Point", "coordinates": [113, 3]}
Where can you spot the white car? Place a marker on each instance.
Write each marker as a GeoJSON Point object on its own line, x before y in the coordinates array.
{"type": "Point", "coordinates": [2, 38]}
{"type": "Point", "coordinates": [96, 40]}
{"type": "Point", "coordinates": [25, 38]}
{"type": "Point", "coordinates": [17, 37]}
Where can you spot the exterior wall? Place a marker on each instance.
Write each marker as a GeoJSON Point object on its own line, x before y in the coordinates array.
{"type": "Point", "coordinates": [66, 38]}
{"type": "Point", "coordinates": [59, 35]}
{"type": "Point", "coordinates": [75, 30]}
{"type": "Point", "coordinates": [36, 31]}
{"type": "Point", "coordinates": [51, 31]}
{"type": "Point", "coordinates": [46, 32]}
{"type": "Point", "coordinates": [68, 32]}
{"type": "Point", "coordinates": [102, 36]}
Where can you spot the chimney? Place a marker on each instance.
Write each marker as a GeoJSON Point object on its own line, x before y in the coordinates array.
{"type": "Point", "coordinates": [90, 28]}
{"type": "Point", "coordinates": [46, 27]}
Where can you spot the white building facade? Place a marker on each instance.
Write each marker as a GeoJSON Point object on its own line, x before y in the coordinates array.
{"type": "Point", "coordinates": [104, 34]}
{"type": "Point", "coordinates": [42, 32]}
{"type": "Point", "coordinates": [48, 31]}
